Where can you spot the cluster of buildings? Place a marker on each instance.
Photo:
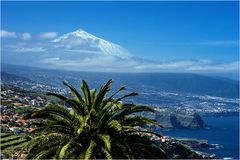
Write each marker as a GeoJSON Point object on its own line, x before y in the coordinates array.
{"type": "Point", "coordinates": [203, 105]}
{"type": "Point", "coordinates": [15, 122]}
{"type": "Point", "coordinates": [11, 104]}
{"type": "Point", "coordinates": [35, 86]}
{"type": "Point", "coordinates": [209, 107]}
{"type": "Point", "coordinates": [22, 101]}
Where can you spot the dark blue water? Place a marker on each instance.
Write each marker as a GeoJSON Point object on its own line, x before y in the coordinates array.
{"type": "Point", "coordinates": [222, 130]}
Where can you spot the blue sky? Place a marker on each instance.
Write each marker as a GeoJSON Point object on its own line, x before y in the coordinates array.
{"type": "Point", "coordinates": [156, 35]}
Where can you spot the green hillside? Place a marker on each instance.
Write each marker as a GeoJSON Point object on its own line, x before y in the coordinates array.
{"type": "Point", "coordinates": [11, 144]}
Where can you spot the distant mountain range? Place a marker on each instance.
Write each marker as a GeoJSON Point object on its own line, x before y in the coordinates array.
{"type": "Point", "coordinates": [144, 83]}
{"type": "Point", "coordinates": [12, 78]}
{"type": "Point", "coordinates": [26, 84]}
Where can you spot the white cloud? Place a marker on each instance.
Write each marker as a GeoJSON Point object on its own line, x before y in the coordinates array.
{"type": "Point", "coordinates": [173, 65]}
{"type": "Point", "coordinates": [83, 51]}
{"type": "Point", "coordinates": [166, 65]}
{"type": "Point", "coordinates": [112, 63]}
{"type": "Point", "coordinates": [224, 67]}
{"type": "Point", "coordinates": [48, 35]}
{"type": "Point", "coordinates": [190, 66]}
{"type": "Point", "coordinates": [36, 49]}
{"type": "Point", "coordinates": [51, 60]}
{"type": "Point", "coordinates": [6, 34]}
{"type": "Point", "coordinates": [220, 43]}
{"type": "Point", "coordinates": [26, 36]}
{"type": "Point", "coordinates": [80, 50]}
{"type": "Point", "coordinates": [100, 62]}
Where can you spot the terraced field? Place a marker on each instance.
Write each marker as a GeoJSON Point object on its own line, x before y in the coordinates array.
{"type": "Point", "coordinates": [11, 144]}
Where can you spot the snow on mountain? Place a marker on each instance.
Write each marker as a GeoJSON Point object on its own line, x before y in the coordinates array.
{"type": "Point", "coordinates": [84, 42]}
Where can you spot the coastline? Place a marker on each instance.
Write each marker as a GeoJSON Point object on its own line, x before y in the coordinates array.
{"type": "Point", "coordinates": [226, 143]}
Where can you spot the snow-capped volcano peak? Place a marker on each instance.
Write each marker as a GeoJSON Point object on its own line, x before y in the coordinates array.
{"type": "Point", "coordinates": [78, 33]}
{"type": "Point", "coordinates": [82, 41]}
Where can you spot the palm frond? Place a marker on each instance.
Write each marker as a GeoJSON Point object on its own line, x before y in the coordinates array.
{"type": "Point", "coordinates": [107, 141]}
{"type": "Point", "coordinates": [46, 153]}
{"type": "Point", "coordinates": [64, 152]}
{"type": "Point", "coordinates": [115, 125]}
{"type": "Point", "coordinates": [89, 150]}
{"type": "Point", "coordinates": [57, 95]}
{"type": "Point", "coordinates": [107, 154]}
{"type": "Point", "coordinates": [74, 92]}
{"type": "Point", "coordinates": [78, 108]}
{"type": "Point", "coordinates": [101, 94]}
{"type": "Point", "coordinates": [119, 90]}
{"type": "Point", "coordinates": [127, 95]}
{"type": "Point", "coordinates": [139, 121]}
{"type": "Point", "coordinates": [93, 95]}
{"type": "Point", "coordinates": [86, 92]}
{"type": "Point", "coordinates": [128, 109]}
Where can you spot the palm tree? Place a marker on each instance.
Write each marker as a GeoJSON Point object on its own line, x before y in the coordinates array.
{"type": "Point", "coordinates": [93, 127]}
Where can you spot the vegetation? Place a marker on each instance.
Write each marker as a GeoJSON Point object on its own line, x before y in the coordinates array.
{"type": "Point", "coordinates": [170, 118]}
{"type": "Point", "coordinates": [92, 126]}
{"type": "Point", "coordinates": [12, 144]}
{"type": "Point", "coordinates": [177, 150]}
{"type": "Point", "coordinates": [23, 109]}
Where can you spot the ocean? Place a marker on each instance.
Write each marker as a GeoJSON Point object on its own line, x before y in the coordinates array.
{"type": "Point", "coordinates": [222, 131]}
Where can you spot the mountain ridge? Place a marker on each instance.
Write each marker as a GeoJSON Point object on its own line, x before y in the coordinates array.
{"type": "Point", "coordinates": [172, 82]}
